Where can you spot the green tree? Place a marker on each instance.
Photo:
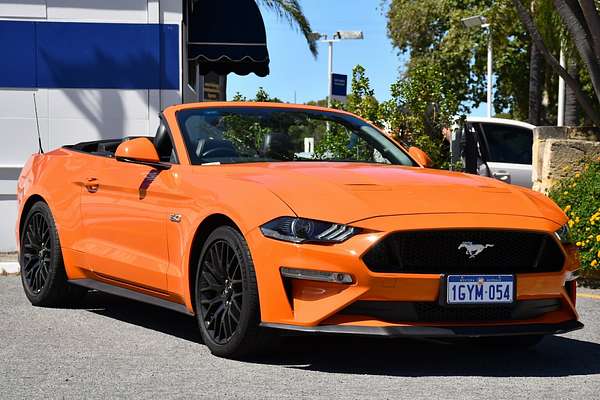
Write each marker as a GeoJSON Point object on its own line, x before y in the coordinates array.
{"type": "Point", "coordinates": [582, 21]}
{"type": "Point", "coordinates": [261, 96]}
{"type": "Point", "coordinates": [361, 100]}
{"type": "Point", "coordinates": [422, 105]}
{"type": "Point", "coordinates": [430, 32]}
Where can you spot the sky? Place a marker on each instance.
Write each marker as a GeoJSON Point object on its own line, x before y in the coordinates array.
{"type": "Point", "coordinates": [297, 77]}
{"type": "Point", "coordinates": [295, 74]}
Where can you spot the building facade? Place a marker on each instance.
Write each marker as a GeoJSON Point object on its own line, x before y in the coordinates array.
{"type": "Point", "coordinates": [104, 69]}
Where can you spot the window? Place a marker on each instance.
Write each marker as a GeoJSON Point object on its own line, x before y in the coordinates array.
{"type": "Point", "coordinates": [254, 134]}
{"type": "Point", "coordinates": [508, 144]}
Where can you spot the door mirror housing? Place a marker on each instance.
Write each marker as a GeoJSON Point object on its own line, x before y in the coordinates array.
{"type": "Point", "coordinates": [140, 151]}
{"type": "Point", "coordinates": [420, 156]}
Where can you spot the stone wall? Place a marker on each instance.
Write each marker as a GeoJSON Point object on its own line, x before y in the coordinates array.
{"type": "Point", "coordinates": [560, 151]}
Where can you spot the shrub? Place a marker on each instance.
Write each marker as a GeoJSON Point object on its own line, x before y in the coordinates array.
{"type": "Point", "coordinates": [579, 196]}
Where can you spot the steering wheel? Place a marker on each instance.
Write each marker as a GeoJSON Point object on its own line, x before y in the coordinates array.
{"type": "Point", "coordinates": [219, 152]}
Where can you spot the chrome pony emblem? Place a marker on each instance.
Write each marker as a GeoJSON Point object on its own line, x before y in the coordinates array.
{"type": "Point", "coordinates": [473, 249]}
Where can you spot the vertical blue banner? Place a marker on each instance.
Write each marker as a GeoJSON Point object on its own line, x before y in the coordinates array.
{"type": "Point", "coordinates": [339, 85]}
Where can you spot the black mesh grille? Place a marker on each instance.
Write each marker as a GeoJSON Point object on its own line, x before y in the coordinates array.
{"type": "Point", "coordinates": [447, 251]}
{"type": "Point", "coordinates": [402, 311]}
{"type": "Point", "coordinates": [433, 312]}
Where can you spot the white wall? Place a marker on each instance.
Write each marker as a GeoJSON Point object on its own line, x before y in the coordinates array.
{"type": "Point", "coordinates": [69, 116]}
{"type": "Point", "coordinates": [130, 11]}
{"type": "Point", "coordinates": [22, 9]}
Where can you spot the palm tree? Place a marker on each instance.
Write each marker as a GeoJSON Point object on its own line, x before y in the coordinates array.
{"type": "Point", "coordinates": [291, 11]}
{"type": "Point", "coordinates": [536, 78]}
{"type": "Point", "coordinates": [536, 81]}
{"type": "Point", "coordinates": [571, 106]}
{"type": "Point", "coordinates": [577, 21]}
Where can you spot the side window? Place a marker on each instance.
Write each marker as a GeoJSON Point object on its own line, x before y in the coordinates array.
{"type": "Point", "coordinates": [508, 144]}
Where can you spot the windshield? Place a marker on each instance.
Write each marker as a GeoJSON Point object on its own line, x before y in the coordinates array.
{"type": "Point", "coordinates": [241, 135]}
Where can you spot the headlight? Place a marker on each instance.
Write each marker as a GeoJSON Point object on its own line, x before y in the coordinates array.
{"type": "Point", "coordinates": [563, 234]}
{"type": "Point", "coordinates": [301, 230]}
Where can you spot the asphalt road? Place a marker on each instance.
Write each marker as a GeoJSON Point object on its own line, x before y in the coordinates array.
{"type": "Point", "coordinates": [114, 348]}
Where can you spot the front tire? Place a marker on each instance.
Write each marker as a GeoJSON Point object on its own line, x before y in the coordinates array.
{"type": "Point", "coordinates": [226, 296]}
{"type": "Point", "coordinates": [42, 268]}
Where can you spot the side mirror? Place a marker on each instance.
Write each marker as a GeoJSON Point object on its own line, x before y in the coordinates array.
{"type": "Point", "coordinates": [420, 156]}
{"type": "Point", "coordinates": [140, 151]}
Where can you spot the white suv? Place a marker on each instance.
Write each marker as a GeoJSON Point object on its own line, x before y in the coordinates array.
{"type": "Point", "coordinates": [504, 146]}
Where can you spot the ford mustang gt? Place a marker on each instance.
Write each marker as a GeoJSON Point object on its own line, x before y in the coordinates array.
{"type": "Point", "coordinates": [260, 218]}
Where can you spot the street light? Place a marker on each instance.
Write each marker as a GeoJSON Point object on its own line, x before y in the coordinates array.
{"type": "Point", "coordinates": [476, 22]}
{"type": "Point", "coordinates": [336, 37]}
{"type": "Point", "coordinates": [349, 35]}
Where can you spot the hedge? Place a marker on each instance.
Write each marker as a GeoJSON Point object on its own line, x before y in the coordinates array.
{"type": "Point", "coordinates": [579, 196]}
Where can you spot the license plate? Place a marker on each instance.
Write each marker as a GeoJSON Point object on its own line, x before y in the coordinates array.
{"type": "Point", "coordinates": [480, 289]}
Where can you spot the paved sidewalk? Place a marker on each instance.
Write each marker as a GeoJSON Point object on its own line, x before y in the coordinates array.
{"type": "Point", "coordinates": [8, 264]}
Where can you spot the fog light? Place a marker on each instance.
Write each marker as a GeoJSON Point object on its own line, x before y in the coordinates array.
{"type": "Point", "coordinates": [312, 275]}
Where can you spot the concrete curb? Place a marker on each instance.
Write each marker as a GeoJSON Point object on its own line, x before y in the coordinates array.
{"type": "Point", "coordinates": [9, 268]}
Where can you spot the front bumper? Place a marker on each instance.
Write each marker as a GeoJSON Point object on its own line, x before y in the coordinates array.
{"type": "Point", "coordinates": [435, 331]}
{"type": "Point", "coordinates": [319, 306]}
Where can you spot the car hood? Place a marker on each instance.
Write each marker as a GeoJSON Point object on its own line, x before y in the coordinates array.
{"type": "Point", "coordinates": [347, 192]}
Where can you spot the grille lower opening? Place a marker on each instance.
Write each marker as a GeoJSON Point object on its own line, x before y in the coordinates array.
{"type": "Point", "coordinates": [465, 251]}
{"type": "Point", "coordinates": [402, 311]}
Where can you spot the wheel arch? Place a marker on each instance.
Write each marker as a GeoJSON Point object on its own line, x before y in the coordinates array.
{"type": "Point", "coordinates": [203, 231]}
{"type": "Point", "coordinates": [34, 198]}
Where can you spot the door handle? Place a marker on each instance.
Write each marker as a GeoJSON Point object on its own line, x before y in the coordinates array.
{"type": "Point", "coordinates": [503, 176]}
{"type": "Point", "coordinates": [92, 185]}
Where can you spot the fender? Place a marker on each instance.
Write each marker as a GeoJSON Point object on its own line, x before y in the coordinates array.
{"type": "Point", "coordinates": [182, 236]}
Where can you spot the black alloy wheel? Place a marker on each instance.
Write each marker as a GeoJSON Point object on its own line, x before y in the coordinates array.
{"type": "Point", "coordinates": [43, 272]}
{"type": "Point", "coordinates": [221, 291]}
{"type": "Point", "coordinates": [226, 297]}
{"type": "Point", "coordinates": [36, 252]}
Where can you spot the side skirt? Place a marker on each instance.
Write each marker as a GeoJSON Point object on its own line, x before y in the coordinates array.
{"type": "Point", "coordinates": [130, 294]}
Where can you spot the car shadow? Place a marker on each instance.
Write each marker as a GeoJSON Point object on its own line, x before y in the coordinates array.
{"type": "Point", "coordinates": [141, 314]}
{"type": "Point", "coordinates": [556, 356]}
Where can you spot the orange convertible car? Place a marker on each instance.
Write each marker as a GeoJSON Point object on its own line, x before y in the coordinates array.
{"type": "Point", "coordinates": [257, 218]}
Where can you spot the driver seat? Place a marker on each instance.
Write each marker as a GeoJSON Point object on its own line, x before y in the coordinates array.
{"type": "Point", "coordinates": [215, 148]}
{"type": "Point", "coordinates": [278, 146]}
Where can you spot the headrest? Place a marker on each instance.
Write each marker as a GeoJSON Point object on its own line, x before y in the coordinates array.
{"type": "Point", "coordinates": [278, 146]}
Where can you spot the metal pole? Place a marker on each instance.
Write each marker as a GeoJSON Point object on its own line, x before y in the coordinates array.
{"type": "Point", "coordinates": [561, 92]}
{"type": "Point", "coordinates": [489, 72]}
{"type": "Point", "coordinates": [330, 72]}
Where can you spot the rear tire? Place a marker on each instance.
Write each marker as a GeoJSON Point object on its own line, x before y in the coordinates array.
{"type": "Point", "coordinates": [518, 342]}
{"type": "Point", "coordinates": [226, 296]}
{"type": "Point", "coordinates": [42, 267]}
